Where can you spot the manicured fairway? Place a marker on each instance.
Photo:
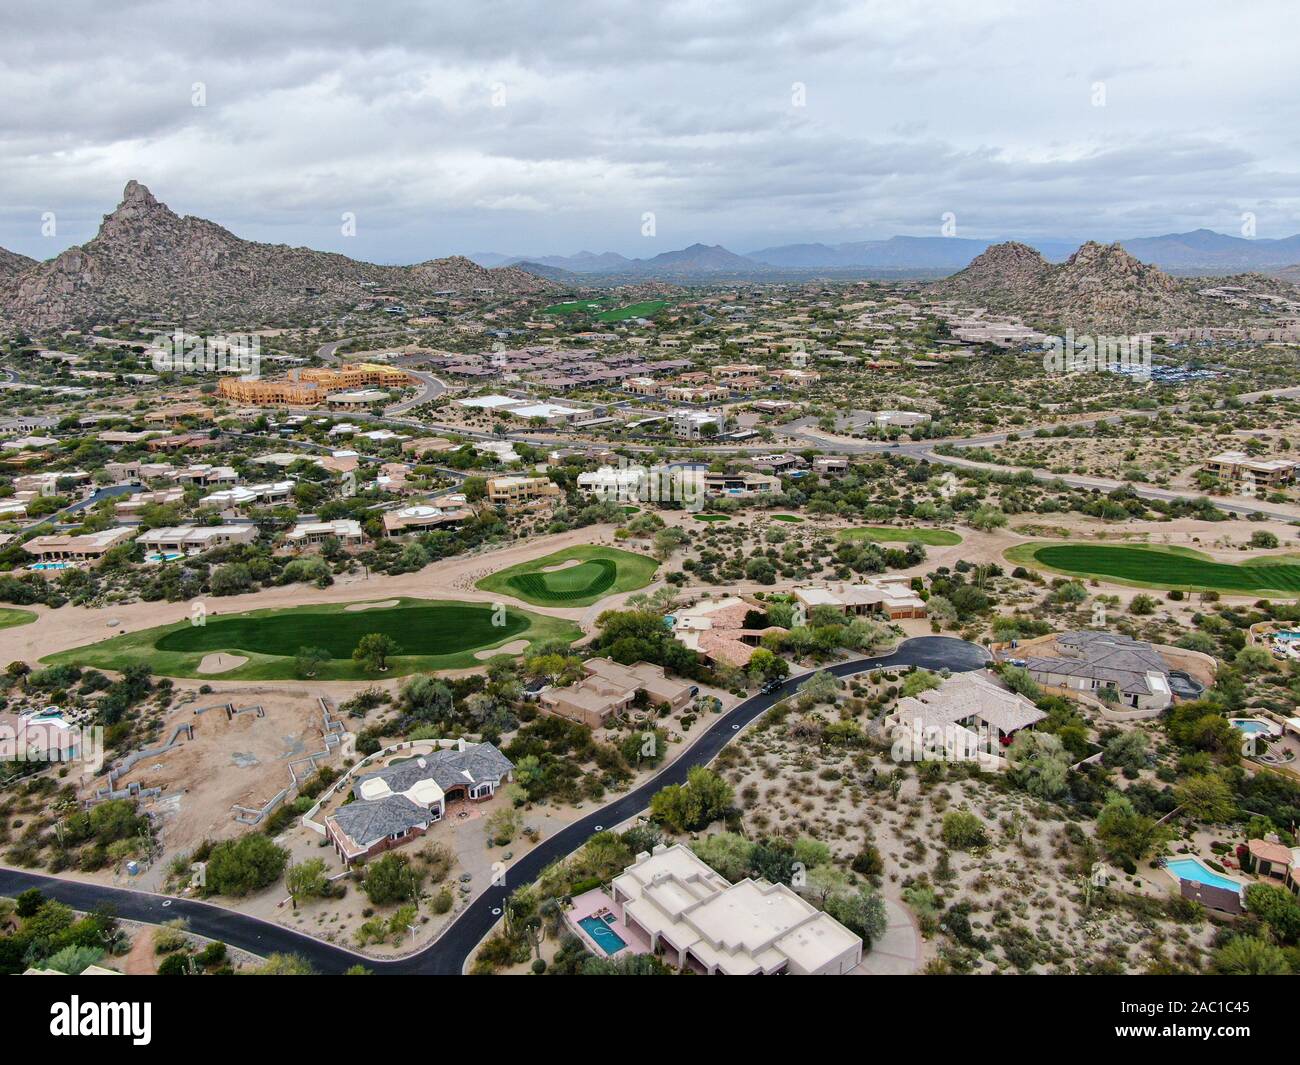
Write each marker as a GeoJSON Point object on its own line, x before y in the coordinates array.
{"type": "Point", "coordinates": [888, 534]}
{"type": "Point", "coordinates": [599, 571]}
{"type": "Point", "coordinates": [11, 616]}
{"type": "Point", "coordinates": [577, 307]}
{"type": "Point", "coordinates": [1150, 566]}
{"type": "Point", "coordinates": [646, 309]}
{"type": "Point", "coordinates": [712, 517]}
{"type": "Point", "coordinates": [793, 518]}
{"type": "Point", "coordinates": [431, 634]}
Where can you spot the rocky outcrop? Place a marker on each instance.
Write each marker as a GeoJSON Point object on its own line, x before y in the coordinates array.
{"type": "Point", "coordinates": [147, 261]}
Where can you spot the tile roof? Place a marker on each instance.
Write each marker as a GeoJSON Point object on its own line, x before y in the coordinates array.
{"type": "Point", "coordinates": [448, 769]}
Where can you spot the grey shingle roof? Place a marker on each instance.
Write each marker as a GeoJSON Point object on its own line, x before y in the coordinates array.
{"type": "Point", "coordinates": [1104, 656]}
{"type": "Point", "coordinates": [371, 820]}
{"type": "Point", "coordinates": [448, 769]}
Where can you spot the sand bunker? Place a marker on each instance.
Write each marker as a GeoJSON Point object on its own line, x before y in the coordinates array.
{"type": "Point", "coordinates": [220, 662]}
{"type": "Point", "coordinates": [568, 563]}
{"type": "Point", "coordinates": [514, 647]}
{"type": "Point", "coordinates": [382, 605]}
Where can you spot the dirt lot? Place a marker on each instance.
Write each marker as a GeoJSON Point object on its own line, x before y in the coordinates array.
{"type": "Point", "coordinates": [232, 760]}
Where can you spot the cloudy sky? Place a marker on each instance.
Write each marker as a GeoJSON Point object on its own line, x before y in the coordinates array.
{"type": "Point", "coordinates": [553, 127]}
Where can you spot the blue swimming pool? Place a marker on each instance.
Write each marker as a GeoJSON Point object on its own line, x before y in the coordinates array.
{"type": "Point", "coordinates": [1250, 727]}
{"type": "Point", "coordinates": [606, 938]}
{"type": "Point", "coordinates": [1191, 869]}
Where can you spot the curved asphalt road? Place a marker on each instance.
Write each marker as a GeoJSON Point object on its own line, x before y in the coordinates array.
{"type": "Point", "coordinates": [448, 954]}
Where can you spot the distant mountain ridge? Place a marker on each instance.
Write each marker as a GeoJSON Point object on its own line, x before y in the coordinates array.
{"type": "Point", "coordinates": [148, 261]}
{"type": "Point", "coordinates": [1201, 251]}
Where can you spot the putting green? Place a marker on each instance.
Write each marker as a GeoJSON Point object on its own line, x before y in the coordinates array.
{"type": "Point", "coordinates": [591, 574]}
{"type": "Point", "coordinates": [888, 534]}
{"type": "Point", "coordinates": [430, 634]}
{"type": "Point", "coordinates": [1158, 566]}
{"type": "Point", "coordinates": [12, 616]}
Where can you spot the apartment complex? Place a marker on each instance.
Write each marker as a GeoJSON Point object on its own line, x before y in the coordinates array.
{"type": "Point", "coordinates": [310, 387]}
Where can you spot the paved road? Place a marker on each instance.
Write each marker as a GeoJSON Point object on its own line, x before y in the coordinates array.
{"type": "Point", "coordinates": [449, 953]}
{"type": "Point", "coordinates": [430, 388]}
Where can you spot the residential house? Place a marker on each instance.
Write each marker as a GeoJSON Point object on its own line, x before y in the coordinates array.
{"type": "Point", "coordinates": [698, 919]}
{"type": "Point", "coordinates": [88, 547]}
{"type": "Point", "coordinates": [968, 717]}
{"type": "Point", "coordinates": [195, 539]}
{"type": "Point", "coordinates": [892, 599]}
{"type": "Point", "coordinates": [609, 688]}
{"type": "Point", "coordinates": [347, 531]}
{"type": "Point", "coordinates": [401, 801]}
{"type": "Point", "coordinates": [513, 491]}
{"type": "Point", "coordinates": [1105, 665]}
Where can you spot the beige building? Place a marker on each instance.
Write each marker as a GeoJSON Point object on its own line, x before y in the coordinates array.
{"type": "Point", "coordinates": [422, 516]}
{"type": "Point", "coordinates": [699, 920]}
{"type": "Point", "coordinates": [1236, 467]}
{"type": "Point", "coordinates": [610, 688]}
{"type": "Point", "coordinates": [346, 530]}
{"type": "Point", "coordinates": [893, 600]}
{"type": "Point", "coordinates": [88, 547]}
{"type": "Point", "coordinates": [195, 539]}
{"type": "Point", "coordinates": [513, 491]}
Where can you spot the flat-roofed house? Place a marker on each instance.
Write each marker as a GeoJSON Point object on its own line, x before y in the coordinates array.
{"type": "Point", "coordinates": [346, 530]}
{"type": "Point", "coordinates": [510, 491]}
{"type": "Point", "coordinates": [894, 600]}
{"type": "Point", "coordinates": [698, 919]}
{"type": "Point", "coordinates": [195, 539]}
{"type": "Point", "coordinates": [88, 547]}
{"type": "Point", "coordinates": [613, 484]}
{"type": "Point", "coordinates": [1236, 467]}
{"type": "Point", "coordinates": [421, 516]}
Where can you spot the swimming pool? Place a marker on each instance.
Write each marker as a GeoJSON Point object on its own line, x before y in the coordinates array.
{"type": "Point", "coordinates": [42, 566]}
{"type": "Point", "coordinates": [1195, 869]}
{"type": "Point", "coordinates": [1250, 726]}
{"type": "Point", "coordinates": [606, 938]}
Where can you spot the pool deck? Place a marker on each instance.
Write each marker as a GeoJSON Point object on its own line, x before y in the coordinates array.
{"type": "Point", "coordinates": [592, 904]}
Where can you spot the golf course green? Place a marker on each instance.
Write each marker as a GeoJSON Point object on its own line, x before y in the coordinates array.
{"type": "Point", "coordinates": [11, 616]}
{"type": "Point", "coordinates": [576, 576]}
{"type": "Point", "coordinates": [430, 634]}
{"type": "Point", "coordinates": [1159, 566]}
{"type": "Point", "coordinates": [889, 534]}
